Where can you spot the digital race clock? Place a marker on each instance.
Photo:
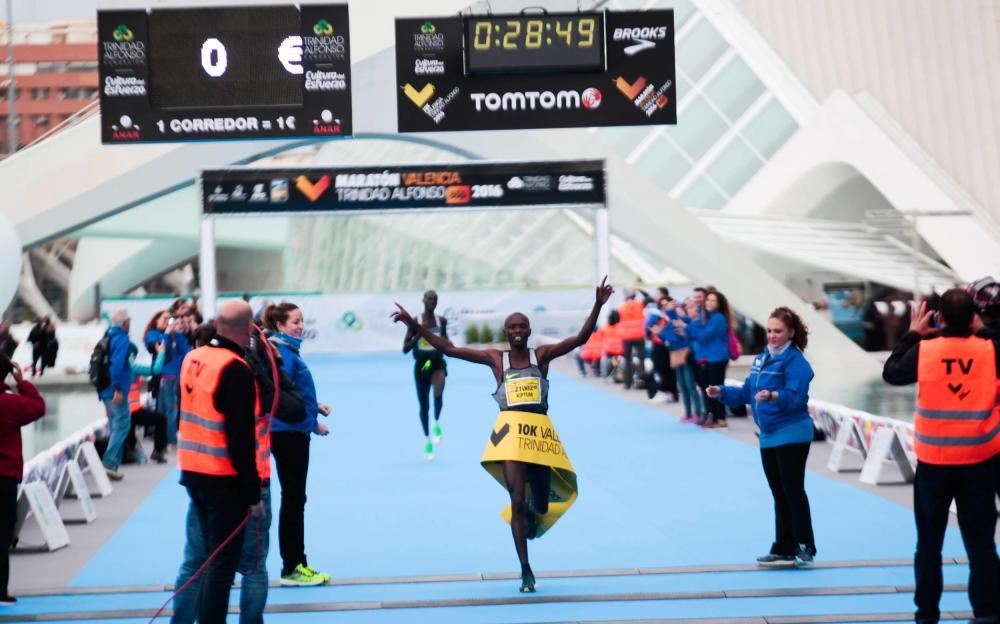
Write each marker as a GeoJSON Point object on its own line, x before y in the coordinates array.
{"type": "Point", "coordinates": [534, 43]}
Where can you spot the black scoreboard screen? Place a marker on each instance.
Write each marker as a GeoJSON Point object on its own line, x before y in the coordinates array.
{"type": "Point", "coordinates": [273, 71]}
{"type": "Point", "coordinates": [534, 43]}
{"type": "Point", "coordinates": [225, 57]}
{"type": "Point", "coordinates": [550, 70]}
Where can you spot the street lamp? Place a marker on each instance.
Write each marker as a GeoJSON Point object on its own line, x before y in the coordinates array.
{"type": "Point", "coordinates": [11, 91]}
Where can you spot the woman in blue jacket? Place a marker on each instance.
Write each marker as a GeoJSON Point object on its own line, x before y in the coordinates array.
{"type": "Point", "coordinates": [290, 446]}
{"type": "Point", "coordinates": [778, 391]}
{"type": "Point", "coordinates": [709, 335]}
{"type": "Point", "coordinates": [680, 349]}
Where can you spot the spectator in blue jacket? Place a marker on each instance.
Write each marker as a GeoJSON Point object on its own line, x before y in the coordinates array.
{"type": "Point", "coordinates": [169, 396]}
{"type": "Point", "coordinates": [708, 331]}
{"type": "Point", "coordinates": [680, 361]}
{"type": "Point", "coordinates": [115, 395]}
{"type": "Point", "coordinates": [290, 437]}
{"type": "Point", "coordinates": [777, 390]}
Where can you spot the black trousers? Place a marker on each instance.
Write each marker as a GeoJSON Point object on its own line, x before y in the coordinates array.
{"type": "Point", "coordinates": [712, 374]}
{"type": "Point", "coordinates": [291, 461]}
{"type": "Point", "coordinates": [785, 469]}
{"type": "Point", "coordinates": [220, 511]}
{"type": "Point", "coordinates": [661, 364]}
{"type": "Point", "coordinates": [8, 518]}
{"type": "Point", "coordinates": [38, 360]}
{"type": "Point", "coordinates": [971, 487]}
{"type": "Point", "coordinates": [149, 418]}
{"type": "Point", "coordinates": [635, 348]}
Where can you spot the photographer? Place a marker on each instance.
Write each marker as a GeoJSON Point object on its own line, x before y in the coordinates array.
{"type": "Point", "coordinates": [19, 406]}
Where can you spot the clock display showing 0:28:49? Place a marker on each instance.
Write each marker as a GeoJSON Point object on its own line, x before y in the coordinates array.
{"type": "Point", "coordinates": [535, 33]}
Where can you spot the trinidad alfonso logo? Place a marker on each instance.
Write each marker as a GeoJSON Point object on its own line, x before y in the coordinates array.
{"type": "Point", "coordinates": [312, 190]}
{"type": "Point", "coordinates": [122, 33]}
{"type": "Point", "coordinates": [428, 28]}
{"type": "Point", "coordinates": [323, 28]}
{"type": "Point", "coordinates": [419, 97]}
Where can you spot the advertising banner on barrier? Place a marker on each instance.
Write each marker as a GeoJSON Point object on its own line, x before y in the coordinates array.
{"type": "Point", "coordinates": [569, 70]}
{"type": "Point", "coordinates": [352, 323]}
{"type": "Point", "coordinates": [438, 186]}
{"type": "Point", "coordinates": [233, 72]}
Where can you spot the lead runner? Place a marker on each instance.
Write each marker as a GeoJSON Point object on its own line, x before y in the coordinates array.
{"type": "Point", "coordinates": [524, 453]}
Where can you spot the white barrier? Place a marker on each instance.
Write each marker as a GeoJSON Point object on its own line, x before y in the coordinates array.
{"type": "Point", "coordinates": [886, 452]}
{"type": "Point", "coordinates": [92, 465]}
{"type": "Point", "coordinates": [34, 502]}
{"type": "Point", "coordinates": [849, 450]}
{"type": "Point", "coordinates": [72, 481]}
{"type": "Point", "coordinates": [47, 466]}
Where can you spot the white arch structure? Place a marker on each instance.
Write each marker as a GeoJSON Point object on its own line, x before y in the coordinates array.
{"type": "Point", "coordinates": [71, 180]}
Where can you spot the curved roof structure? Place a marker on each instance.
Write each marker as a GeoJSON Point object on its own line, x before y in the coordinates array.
{"type": "Point", "coordinates": [752, 139]}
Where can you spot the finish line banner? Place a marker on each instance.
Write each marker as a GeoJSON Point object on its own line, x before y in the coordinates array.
{"type": "Point", "coordinates": [441, 187]}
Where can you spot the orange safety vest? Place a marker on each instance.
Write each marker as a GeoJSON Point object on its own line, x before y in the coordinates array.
{"type": "Point", "coordinates": [958, 415]}
{"type": "Point", "coordinates": [201, 436]}
{"type": "Point", "coordinates": [612, 344]}
{"type": "Point", "coordinates": [633, 322]}
{"type": "Point", "coordinates": [591, 350]}
{"type": "Point", "coordinates": [135, 395]}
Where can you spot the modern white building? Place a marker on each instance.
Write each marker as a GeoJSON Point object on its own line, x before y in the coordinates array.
{"type": "Point", "coordinates": [817, 141]}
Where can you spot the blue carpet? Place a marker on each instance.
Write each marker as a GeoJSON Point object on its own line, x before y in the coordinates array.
{"type": "Point", "coordinates": [653, 492]}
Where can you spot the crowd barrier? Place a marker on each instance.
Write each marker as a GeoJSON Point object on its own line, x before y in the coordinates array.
{"type": "Point", "coordinates": [50, 477]}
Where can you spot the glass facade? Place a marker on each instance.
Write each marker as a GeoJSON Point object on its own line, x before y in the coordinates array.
{"type": "Point", "coordinates": [728, 123]}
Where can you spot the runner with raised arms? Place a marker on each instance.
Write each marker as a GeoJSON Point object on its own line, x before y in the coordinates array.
{"type": "Point", "coordinates": [524, 452]}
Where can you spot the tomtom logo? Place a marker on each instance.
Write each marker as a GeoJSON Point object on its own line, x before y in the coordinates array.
{"type": "Point", "coordinates": [645, 38]}
{"type": "Point", "coordinates": [534, 100]}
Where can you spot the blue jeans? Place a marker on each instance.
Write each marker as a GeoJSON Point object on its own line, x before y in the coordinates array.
{"type": "Point", "coordinates": [119, 422]}
{"type": "Point", "coordinates": [167, 402]}
{"type": "Point", "coordinates": [253, 567]}
{"type": "Point", "coordinates": [689, 391]}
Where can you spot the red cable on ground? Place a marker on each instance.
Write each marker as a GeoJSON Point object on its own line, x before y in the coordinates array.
{"type": "Point", "coordinates": [274, 406]}
{"type": "Point", "coordinates": [199, 571]}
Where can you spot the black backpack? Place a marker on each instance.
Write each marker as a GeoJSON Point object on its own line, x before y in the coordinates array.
{"type": "Point", "coordinates": [100, 364]}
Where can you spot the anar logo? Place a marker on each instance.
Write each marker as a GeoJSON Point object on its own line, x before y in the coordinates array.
{"type": "Point", "coordinates": [419, 97]}
{"type": "Point", "coordinates": [309, 189]}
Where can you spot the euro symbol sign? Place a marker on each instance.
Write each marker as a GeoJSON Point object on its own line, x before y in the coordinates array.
{"type": "Point", "coordinates": [290, 54]}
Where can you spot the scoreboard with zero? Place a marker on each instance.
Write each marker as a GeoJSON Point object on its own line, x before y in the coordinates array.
{"type": "Point", "coordinates": [239, 72]}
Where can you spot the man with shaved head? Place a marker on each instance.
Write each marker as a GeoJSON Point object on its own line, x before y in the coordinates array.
{"type": "Point", "coordinates": [217, 450]}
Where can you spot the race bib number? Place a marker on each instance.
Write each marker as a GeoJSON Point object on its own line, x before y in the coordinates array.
{"type": "Point", "coordinates": [522, 391]}
{"type": "Point", "coordinates": [424, 345]}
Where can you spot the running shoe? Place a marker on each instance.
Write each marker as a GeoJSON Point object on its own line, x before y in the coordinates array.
{"type": "Point", "coordinates": [320, 575]}
{"type": "Point", "coordinates": [114, 475]}
{"type": "Point", "coordinates": [803, 556]}
{"type": "Point", "coordinates": [527, 583]}
{"type": "Point", "coordinates": [429, 450]}
{"type": "Point", "coordinates": [437, 433]}
{"type": "Point", "coordinates": [7, 601]}
{"type": "Point", "coordinates": [776, 561]}
{"type": "Point", "coordinates": [301, 576]}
